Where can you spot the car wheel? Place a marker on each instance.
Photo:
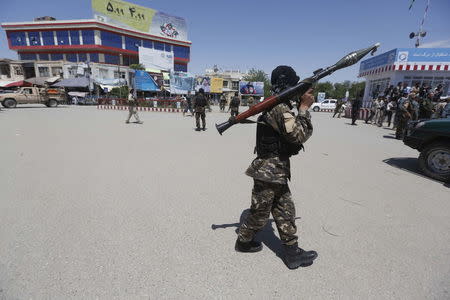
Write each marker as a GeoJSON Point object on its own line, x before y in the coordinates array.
{"type": "Point", "coordinates": [9, 103]}
{"type": "Point", "coordinates": [434, 161]}
{"type": "Point", "coordinates": [316, 108]}
{"type": "Point", "coordinates": [52, 103]}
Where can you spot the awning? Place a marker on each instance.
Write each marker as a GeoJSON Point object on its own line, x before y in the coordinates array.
{"type": "Point", "coordinates": [4, 83]}
{"type": "Point", "coordinates": [18, 83]}
{"type": "Point", "coordinates": [73, 82]}
{"type": "Point", "coordinates": [42, 80]}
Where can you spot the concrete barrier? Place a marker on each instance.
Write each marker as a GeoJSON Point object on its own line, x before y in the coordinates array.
{"type": "Point", "coordinates": [139, 108]}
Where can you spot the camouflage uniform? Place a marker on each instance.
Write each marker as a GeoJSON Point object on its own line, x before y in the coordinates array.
{"type": "Point", "coordinates": [132, 109]}
{"type": "Point", "coordinates": [271, 174]}
{"type": "Point", "coordinates": [234, 106]}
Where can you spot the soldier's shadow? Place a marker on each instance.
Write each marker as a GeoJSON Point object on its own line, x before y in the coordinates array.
{"type": "Point", "coordinates": [266, 235]}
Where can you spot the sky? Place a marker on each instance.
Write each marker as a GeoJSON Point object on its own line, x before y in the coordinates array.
{"type": "Point", "coordinates": [240, 35]}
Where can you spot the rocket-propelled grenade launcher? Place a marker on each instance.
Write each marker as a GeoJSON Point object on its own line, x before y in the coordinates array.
{"type": "Point", "coordinates": [299, 89]}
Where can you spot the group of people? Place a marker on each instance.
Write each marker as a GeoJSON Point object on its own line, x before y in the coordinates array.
{"type": "Point", "coordinates": [401, 104]}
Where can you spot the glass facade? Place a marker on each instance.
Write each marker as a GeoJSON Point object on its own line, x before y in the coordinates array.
{"type": "Point", "coordinates": [111, 39]}
{"type": "Point", "coordinates": [74, 37]}
{"type": "Point", "coordinates": [34, 38]}
{"type": "Point", "coordinates": [27, 56]}
{"type": "Point", "coordinates": [63, 37]}
{"type": "Point", "coordinates": [130, 43]}
{"type": "Point", "coordinates": [88, 37]}
{"type": "Point", "coordinates": [72, 57]}
{"type": "Point", "coordinates": [158, 45]}
{"type": "Point", "coordinates": [112, 59]}
{"type": "Point", "coordinates": [47, 38]}
{"type": "Point", "coordinates": [180, 68]}
{"type": "Point", "coordinates": [93, 57]}
{"type": "Point", "coordinates": [181, 52]}
{"type": "Point", "coordinates": [56, 56]}
{"type": "Point", "coordinates": [82, 57]}
{"type": "Point", "coordinates": [17, 38]}
{"type": "Point", "coordinates": [148, 44]}
{"type": "Point", "coordinates": [44, 56]}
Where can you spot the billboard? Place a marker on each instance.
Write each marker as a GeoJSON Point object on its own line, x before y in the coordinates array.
{"type": "Point", "coordinates": [251, 88]}
{"type": "Point", "coordinates": [378, 61]}
{"type": "Point", "coordinates": [181, 83]}
{"type": "Point", "coordinates": [156, 59]}
{"type": "Point", "coordinates": [132, 16]}
{"type": "Point", "coordinates": [203, 83]}
{"type": "Point", "coordinates": [216, 85]}
{"type": "Point", "coordinates": [144, 82]}
{"type": "Point", "coordinates": [423, 55]}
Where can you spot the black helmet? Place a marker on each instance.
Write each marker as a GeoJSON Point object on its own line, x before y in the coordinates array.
{"type": "Point", "coordinates": [284, 76]}
{"type": "Point", "coordinates": [201, 91]}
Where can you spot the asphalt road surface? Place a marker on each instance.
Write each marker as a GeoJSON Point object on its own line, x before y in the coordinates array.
{"type": "Point", "coordinates": [91, 207]}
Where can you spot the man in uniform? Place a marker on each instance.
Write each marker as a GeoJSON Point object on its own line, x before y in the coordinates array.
{"type": "Point", "coordinates": [405, 111]}
{"type": "Point", "coordinates": [279, 135]}
{"type": "Point", "coordinates": [132, 110]}
{"type": "Point", "coordinates": [200, 104]}
{"type": "Point", "coordinates": [337, 110]}
{"type": "Point", "coordinates": [223, 102]}
{"type": "Point", "coordinates": [356, 106]}
{"type": "Point", "coordinates": [234, 105]}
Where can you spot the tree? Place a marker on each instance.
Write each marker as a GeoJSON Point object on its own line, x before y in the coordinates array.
{"type": "Point", "coordinates": [324, 87]}
{"type": "Point", "coordinates": [259, 76]}
{"type": "Point", "coordinates": [137, 67]}
{"type": "Point", "coordinates": [120, 91]}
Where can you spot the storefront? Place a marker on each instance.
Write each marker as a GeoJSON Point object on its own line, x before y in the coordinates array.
{"type": "Point", "coordinates": [430, 66]}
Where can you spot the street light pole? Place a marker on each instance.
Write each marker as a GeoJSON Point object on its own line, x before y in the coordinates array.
{"type": "Point", "coordinates": [118, 75]}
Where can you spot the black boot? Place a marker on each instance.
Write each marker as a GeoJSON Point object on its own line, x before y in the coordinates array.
{"type": "Point", "coordinates": [295, 257]}
{"type": "Point", "coordinates": [251, 246]}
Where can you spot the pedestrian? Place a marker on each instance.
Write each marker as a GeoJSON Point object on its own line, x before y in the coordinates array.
{"type": "Point", "coordinates": [337, 109]}
{"type": "Point", "coordinates": [222, 103]}
{"type": "Point", "coordinates": [132, 108]}
{"type": "Point", "coordinates": [234, 105]}
{"type": "Point", "coordinates": [200, 104]}
{"type": "Point", "coordinates": [426, 107]}
{"type": "Point", "coordinates": [188, 106]}
{"type": "Point", "coordinates": [279, 135]}
{"type": "Point", "coordinates": [390, 108]}
{"type": "Point", "coordinates": [356, 106]}
{"type": "Point", "coordinates": [439, 109]}
{"type": "Point", "coordinates": [415, 106]}
{"type": "Point", "coordinates": [382, 111]}
{"type": "Point", "coordinates": [404, 115]}
{"type": "Point", "coordinates": [374, 105]}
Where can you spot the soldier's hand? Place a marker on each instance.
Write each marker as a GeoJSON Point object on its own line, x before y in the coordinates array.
{"type": "Point", "coordinates": [306, 100]}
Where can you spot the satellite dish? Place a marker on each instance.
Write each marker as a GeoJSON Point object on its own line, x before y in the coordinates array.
{"type": "Point", "coordinates": [412, 35]}
{"type": "Point", "coordinates": [423, 33]}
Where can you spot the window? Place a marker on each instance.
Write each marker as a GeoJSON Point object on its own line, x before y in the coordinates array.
{"type": "Point", "coordinates": [88, 37]}
{"type": "Point", "coordinates": [235, 85]}
{"type": "Point", "coordinates": [56, 56]}
{"type": "Point", "coordinates": [18, 70]}
{"type": "Point", "coordinates": [43, 72]}
{"type": "Point", "coordinates": [44, 56]}
{"type": "Point", "coordinates": [47, 38]}
{"type": "Point", "coordinates": [82, 57]}
{"type": "Point", "coordinates": [63, 37]}
{"type": "Point", "coordinates": [180, 68]}
{"type": "Point", "coordinates": [17, 38]}
{"type": "Point", "coordinates": [111, 59]}
{"type": "Point", "coordinates": [27, 56]}
{"type": "Point", "coordinates": [134, 60]}
{"type": "Point", "coordinates": [56, 71]}
{"type": "Point", "coordinates": [26, 91]}
{"type": "Point", "coordinates": [158, 46]}
{"type": "Point", "coordinates": [325, 102]}
{"type": "Point", "coordinates": [103, 73]}
{"type": "Point", "coordinates": [168, 47]}
{"type": "Point", "coordinates": [130, 43]}
{"type": "Point", "coordinates": [74, 37]}
{"type": "Point", "coordinates": [181, 52]}
{"type": "Point", "coordinates": [93, 57]}
{"type": "Point", "coordinates": [148, 44]}
{"type": "Point", "coordinates": [125, 60]}
{"type": "Point", "coordinates": [35, 39]}
{"type": "Point", "coordinates": [225, 84]}
{"type": "Point", "coordinates": [111, 39]}
{"type": "Point", "coordinates": [72, 57]}
{"type": "Point", "coordinates": [73, 71]}
{"type": "Point", "coordinates": [116, 74]}
{"type": "Point", "coordinates": [4, 70]}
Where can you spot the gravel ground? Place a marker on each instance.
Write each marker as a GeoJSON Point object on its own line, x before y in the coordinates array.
{"type": "Point", "coordinates": [91, 207]}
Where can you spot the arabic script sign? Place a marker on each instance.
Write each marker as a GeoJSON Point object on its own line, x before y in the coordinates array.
{"type": "Point", "coordinates": [423, 55]}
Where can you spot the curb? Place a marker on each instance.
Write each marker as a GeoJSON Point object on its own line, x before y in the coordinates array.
{"type": "Point", "coordinates": [121, 107]}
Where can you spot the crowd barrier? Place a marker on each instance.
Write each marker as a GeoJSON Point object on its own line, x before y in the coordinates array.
{"type": "Point", "coordinates": [153, 103]}
{"type": "Point", "coordinates": [140, 108]}
{"type": "Point", "coordinates": [363, 113]}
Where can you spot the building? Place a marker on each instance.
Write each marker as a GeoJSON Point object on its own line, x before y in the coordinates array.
{"type": "Point", "coordinates": [66, 47]}
{"type": "Point", "coordinates": [230, 78]}
{"type": "Point", "coordinates": [430, 66]}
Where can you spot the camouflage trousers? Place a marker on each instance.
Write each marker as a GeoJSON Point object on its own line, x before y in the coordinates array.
{"type": "Point", "coordinates": [270, 198]}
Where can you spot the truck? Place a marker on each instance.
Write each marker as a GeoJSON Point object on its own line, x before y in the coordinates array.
{"type": "Point", "coordinates": [50, 97]}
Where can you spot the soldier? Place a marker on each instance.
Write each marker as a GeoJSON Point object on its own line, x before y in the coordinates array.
{"type": "Point", "coordinates": [132, 108]}
{"type": "Point", "coordinates": [200, 104]}
{"type": "Point", "coordinates": [405, 110]}
{"type": "Point", "coordinates": [339, 104]}
{"type": "Point", "coordinates": [222, 103]}
{"type": "Point", "coordinates": [426, 107]}
{"type": "Point", "coordinates": [356, 106]}
{"type": "Point", "coordinates": [279, 135]}
{"type": "Point", "coordinates": [234, 105]}
{"type": "Point", "coordinates": [250, 101]}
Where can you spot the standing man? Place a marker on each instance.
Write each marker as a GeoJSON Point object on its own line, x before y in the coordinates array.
{"type": "Point", "coordinates": [339, 104]}
{"type": "Point", "coordinates": [132, 108]}
{"type": "Point", "coordinates": [404, 115]}
{"type": "Point", "coordinates": [356, 106]}
{"type": "Point", "coordinates": [200, 104]}
{"type": "Point", "coordinates": [222, 103]}
{"type": "Point", "coordinates": [279, 135]}
{"type": "Point", "coordinates": [234, 105]}
{"type": "Point", "coordinates": [390, 108]}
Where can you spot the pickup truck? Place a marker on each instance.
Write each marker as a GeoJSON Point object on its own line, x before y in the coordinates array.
{"type": "Point", "coordinates": [325, 104]}
{"type": "Point", "coordinates": [51, 97]}
{"type": "Point", "coordinates": [432, 139]}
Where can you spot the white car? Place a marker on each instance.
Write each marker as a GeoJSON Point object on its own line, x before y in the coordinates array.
{"type": "Point", "coordinates": [325, 104]}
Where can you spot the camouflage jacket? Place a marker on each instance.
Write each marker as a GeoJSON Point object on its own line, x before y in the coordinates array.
{"type": "Point", "coordinates": [294, 129]}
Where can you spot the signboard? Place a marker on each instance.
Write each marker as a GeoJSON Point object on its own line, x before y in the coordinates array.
{"type": "Point", "coordinates": [378, 61]}
{"type": "Point", "coordinates": [203, 83]}
{"type": "Point", "coordinates": [132, 16]}
{"type": "Point", "coordinates": [251, 88]}
{"type": "Point", "coordinates": [216, 85]}
{"type": "Point", "coordinates": [181, 83]}
{"type": "Point", "coordinates": [156, 59]}
{"type": "Point", "coordinates": [423, 55]}
{"type": "Point", "coordinates": [144, 82]}
{"type": "Point", "coordinates": [320, 97]}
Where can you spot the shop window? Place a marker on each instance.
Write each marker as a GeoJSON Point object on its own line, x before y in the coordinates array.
{"type": "Point", "coordinates": [72, 57]}
{"type": "Point", "coordinates": [88, 37]}
{"type": "Point", "coordinates": [181, 52]}
{"type": "Point", "coordinates": [180, 68]}
{"type": "Point", "coordinates": [27, 56]}
{"type": "Point", "coordinates": [235, 85]}
{"type": "Point", "coordinates": [111, 39]}
{"type": "Point", "coordinates": [56, 71]}
{"type": "Point", "coordinates": [4, 70]}
{"type": "Point", "coordinates": [34, 38]}
{"type": "Point", "coordinates": [44, 56]}
{"type": "Point", "coordinates": [74, 37]}
{"type": "Point", "coordinates": [62, 37]}
{"type": "Point", "coordinates": [116, 75]}
{"type": "Point", "coordinates": [130, 43]}
{"type": "Point", "coordinates": [47, 38]}
{"type": "Point", "coordinates": [111, 59]}
{"type": "Point", "coordinates": [148, 44]}
{"type": "Point", "coordinates": [56, 56]}
{"type": "Point", "coordinates": [43, 72]}
{"type": "Point", "coordinates": [18, 70]}
{"type": "Point", "coordinates": [17, 38]}
{"type": "Point", "coordinates": [159, 46]}
{"type": "Point", "coordinates": [82, 57]}
{"type": "Point", "coordinates": [225, 84]}
{"type": "Point", "coordinates": [93, 57]}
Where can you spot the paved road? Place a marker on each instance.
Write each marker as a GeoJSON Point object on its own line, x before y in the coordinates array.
{"type": "Point", "coordinates": [93, 208]}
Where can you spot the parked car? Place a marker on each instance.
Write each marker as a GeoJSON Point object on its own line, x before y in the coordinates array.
{"type": "Point", "coordinates": [325, 104]}
{"type": "Point", "coordinates": [432, 139]}
{"type": "Point", "coordinates": [51, 97]}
